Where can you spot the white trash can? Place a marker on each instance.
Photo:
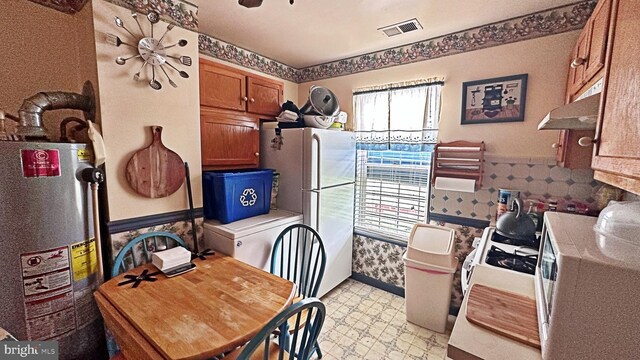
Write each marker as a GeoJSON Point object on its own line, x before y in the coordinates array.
{"type": "Point", "coordinates": [429, 265]}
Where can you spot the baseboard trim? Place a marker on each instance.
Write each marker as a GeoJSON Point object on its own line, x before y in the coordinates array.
{"type": "Point", "coordinates": [379, 284]}
{"type": "Point", "coordinates": [396, 290]}
{"type": "Point", "coordinates": [119, 226]}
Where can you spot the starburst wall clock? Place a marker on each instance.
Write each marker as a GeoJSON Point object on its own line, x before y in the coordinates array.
{"type": "Point", "coordinates": [150, 51]}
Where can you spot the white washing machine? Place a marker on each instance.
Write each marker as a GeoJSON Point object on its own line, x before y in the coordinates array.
{"type": "Point", "coordinates": [249, 240]}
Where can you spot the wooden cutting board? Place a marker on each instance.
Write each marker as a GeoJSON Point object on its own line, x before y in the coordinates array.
{"type": "Point", "coordinates": [155, 171]}
{"type": "Point", "coordinates": [505, 313]}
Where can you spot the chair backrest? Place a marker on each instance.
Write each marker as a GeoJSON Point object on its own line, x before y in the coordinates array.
{"type": "Point", "coordinates": [310, 311]}
{"type": "Point", "coordinates": [298, 255]}
{"type": "Point", "coordinates": [138, 251]}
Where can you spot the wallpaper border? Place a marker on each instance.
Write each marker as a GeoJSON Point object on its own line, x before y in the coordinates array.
{"type": "Point", "coordinates": [178, 12]}
{"type": "Point", "coordinates": [543, 23]}
{"type": "Point", "coordinates": [539, 24]}
{"type": "Point", "coordinates": [219, 49]}
{"type": "Point", "coordinates": [185, 14]}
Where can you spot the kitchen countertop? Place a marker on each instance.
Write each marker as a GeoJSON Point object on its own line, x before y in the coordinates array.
{"type": "Point", "coordinates": [470, 341]}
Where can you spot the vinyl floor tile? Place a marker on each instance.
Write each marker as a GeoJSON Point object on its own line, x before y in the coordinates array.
{"type": "Point", "coordinates": [367, 323]}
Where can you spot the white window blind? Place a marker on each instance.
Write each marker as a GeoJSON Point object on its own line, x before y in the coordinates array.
{"type": "Point", "coordinates": [396, 128]}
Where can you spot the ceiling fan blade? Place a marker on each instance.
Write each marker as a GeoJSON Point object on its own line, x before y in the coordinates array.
{"type": "Point", "coordinates": [250, 3]}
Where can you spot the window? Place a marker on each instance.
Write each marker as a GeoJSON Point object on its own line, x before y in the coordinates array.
{"type": "Point", "coordinates": [396, 127]}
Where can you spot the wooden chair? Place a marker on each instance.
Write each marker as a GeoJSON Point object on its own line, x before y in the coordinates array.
{"type": "Point", "coordinates": [151, 242]}
{"type": "Point", "coordinates": [298, 255]}
{"type": "Point", "coordinates": [308, 314]}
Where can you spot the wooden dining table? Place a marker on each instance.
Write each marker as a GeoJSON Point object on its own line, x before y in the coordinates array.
{"type": "Point", "coordinates": [218, 306]}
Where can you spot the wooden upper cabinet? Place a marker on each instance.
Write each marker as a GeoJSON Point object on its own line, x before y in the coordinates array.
{"type": "Point", "coordinates": [577, 66]}
{"type": "Point", "coordinates": [617, 154]}
{"type": "Point", "coordinates": [588, 56]}
{"type": "Point", "coordinates": [265, 96]}
{"type": "Point", "coordinates": [225, 87]}
{"type": "Point", "coordinates": [230, 140]}
{"type": "Point", "coordinates": [569, 154]}
{"type": "Point", "coordinates": [221, 87]}
{"type": "Point", "coordinates": [598, 31]}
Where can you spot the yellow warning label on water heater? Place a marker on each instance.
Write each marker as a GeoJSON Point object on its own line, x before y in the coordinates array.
{"type": "Point", "coordinates": [84, 155]}
{"type": "Point", "coordinates": [84, 259]}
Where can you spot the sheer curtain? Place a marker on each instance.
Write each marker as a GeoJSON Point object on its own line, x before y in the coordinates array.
{"type": "Point", "coordinates": [396, 129]}
{"type": "Point", "coordinates": [374, 107]}
{"type": "Point", "coordinates": [398, 117]}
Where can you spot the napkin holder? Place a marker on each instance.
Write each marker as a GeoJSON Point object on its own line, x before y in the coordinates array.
{"type": "Point", "coordinates": [168, 260]}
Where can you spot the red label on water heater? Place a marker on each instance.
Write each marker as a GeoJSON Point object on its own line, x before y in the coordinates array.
{"type": "Point", "coordinates": [40, 163]}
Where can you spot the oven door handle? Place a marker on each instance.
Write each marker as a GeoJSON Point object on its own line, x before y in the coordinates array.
{"type": "Point", "coordinates": [464, 280]}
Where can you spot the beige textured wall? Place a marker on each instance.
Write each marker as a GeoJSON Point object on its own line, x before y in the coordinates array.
{"type": "Point", "coordinates": [544, 59]}
{"type": "Point", "coordinates": [41, 51]}
{"type": "Point", "coordinates": [128, 108]}
{"type": "Point", "coordinates": [290, 88]}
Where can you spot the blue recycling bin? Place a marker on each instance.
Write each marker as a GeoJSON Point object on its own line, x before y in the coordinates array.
{"type": "Point", "coordinates": [234, 195]}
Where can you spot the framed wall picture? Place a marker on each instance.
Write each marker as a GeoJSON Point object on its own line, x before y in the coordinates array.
{"type": "Point", "coordinates": [494, 100]}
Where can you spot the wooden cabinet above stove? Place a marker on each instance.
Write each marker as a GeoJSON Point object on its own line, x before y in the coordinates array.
{"type": "Point", "coordinates": [588, 57]}
{"type": "Point", "coordinates": [585, 69]}
{"type": "Point", "coordinates": [616, 157]}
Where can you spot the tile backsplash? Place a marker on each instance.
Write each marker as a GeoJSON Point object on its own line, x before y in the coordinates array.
{"type": "Point", "coordinates": [537, 179]}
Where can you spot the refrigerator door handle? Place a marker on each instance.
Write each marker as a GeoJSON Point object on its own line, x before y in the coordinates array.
{"type": "Point", "coordinates": [318, 193]}
{"type": "Point", "coordinates": [318, 212]}
{"type": "Point", "coordinates": [318, 164]}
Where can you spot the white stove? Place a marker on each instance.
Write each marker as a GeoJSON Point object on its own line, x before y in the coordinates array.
{"type": "Point", "coordinates": [504, 253]}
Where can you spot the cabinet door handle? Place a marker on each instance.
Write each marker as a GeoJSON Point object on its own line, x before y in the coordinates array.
{"type": "Point", "coordinates": [245, 99]}
{"type": "Point", "coordinates": [578, 62]}
{"type": "Point", "coordinates": [556, 145]}
{"type": "Point", "coordinates": [257, 154]}
{"type": "Point", "coordinates": [252, 100]}
{"type": "Point", "coordinates": [586, 141]}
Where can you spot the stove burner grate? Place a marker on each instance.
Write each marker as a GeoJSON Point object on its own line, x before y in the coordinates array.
{"type": "Point", "coordinates": [500, 258]}
{"type": "Point", "coordinates": [533, 243]}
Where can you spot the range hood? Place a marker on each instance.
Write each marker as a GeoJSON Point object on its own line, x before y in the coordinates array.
{"type": "Point", "coordinates": [579, 115]}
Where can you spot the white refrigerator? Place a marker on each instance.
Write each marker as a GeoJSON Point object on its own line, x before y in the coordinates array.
{"type": "Point", "coordinates": [317, 177]}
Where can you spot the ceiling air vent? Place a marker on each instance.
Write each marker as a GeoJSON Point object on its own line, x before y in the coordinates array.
{"type": "Point", "coordinates": [401, 28]}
